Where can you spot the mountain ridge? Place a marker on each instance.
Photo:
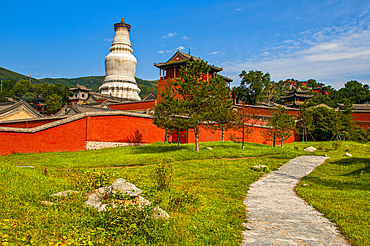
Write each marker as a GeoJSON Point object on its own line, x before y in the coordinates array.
{"type": "Point", "coordinates": [92, 82]}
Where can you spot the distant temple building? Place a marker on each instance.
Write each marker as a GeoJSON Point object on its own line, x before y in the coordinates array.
{"type": "Point", "coordinates": [120, 66]}
{"type": "Point", "coordinates": [295, 97]}
{"type": "Point", "coordinates": [171, 68]}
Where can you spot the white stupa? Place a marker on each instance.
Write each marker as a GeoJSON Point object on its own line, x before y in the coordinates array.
{"type": "Point", "coordinates": [120, 66]}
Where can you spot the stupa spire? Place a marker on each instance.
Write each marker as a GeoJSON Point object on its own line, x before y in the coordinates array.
{"type": "Point", "coordinates": [120, 66]}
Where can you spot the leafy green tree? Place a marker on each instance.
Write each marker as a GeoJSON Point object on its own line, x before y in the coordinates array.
{"type": "Point", "coordinates": [341, 122]}
{"type": "Point", "coordinates": [279, 126]}
{"type": "Point", "coordinates": [167, 113]}
{"type": "Point", "coordinates": [54, 102]}
{"type": "Point", "coordinates": [305, 123]}
{"type": "Point", "coordinates": [355, 91]}
{"type": "Point", "coordinates": [20, 88]}
{"type": "Point", "coordinates": [192, 100]}
{"type": "Point", "coordinates": [252, 86]}
{"type": "Point", "coordinates": [244, 122]}
{"type": "Point", "coordinates": [2, 97]}
{"type": "Point", "coordinates": [322, 126]}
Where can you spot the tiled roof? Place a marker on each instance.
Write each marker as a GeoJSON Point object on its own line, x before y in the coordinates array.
{"type": "Point", "coordinates": [184, 57]}
{"type": "Point", "coordinates": [296, 95]}
{"type": "Point", "coordinates": [358, 107]}
{"type": "Point", "coordinates": [80, 87]}
{"type": "Point", "coordinates": [95, 96]}
{"type": "Point", "coordinates": [78, 109]}
{"type": "Point", "coordinates": [8, 107]}
{"type": "Point", "coordinates": [150, 97]}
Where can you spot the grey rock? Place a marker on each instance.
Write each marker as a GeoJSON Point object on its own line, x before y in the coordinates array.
{"type": "Point", "coordinates": [47, 203]}
{"type": "Point", "coordinates": [347, 154]}
{"type": "Point", "coordinates": [260, 166]}
{"type": "Point", "coordinates": [65, 193]}
{"type": "Point", "coordinates": [95, 198]}
{"type": "Point", "coordinates": [120, 185]}
{"type": "Point", "coordinates": [310, 149]}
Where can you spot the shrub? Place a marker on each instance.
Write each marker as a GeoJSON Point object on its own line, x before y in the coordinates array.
{"type": "Point", "coordinates": [336, 145]}
{"type": "Point", "coordinates": [186, 198]}
{"type": "Point", "coordinates": [162, 176]}
{"type": "Point", "coordinates": [91, 180]}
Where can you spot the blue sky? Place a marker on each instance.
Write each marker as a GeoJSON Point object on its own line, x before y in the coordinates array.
{"type": "Point", "coordinates": [325, 40]}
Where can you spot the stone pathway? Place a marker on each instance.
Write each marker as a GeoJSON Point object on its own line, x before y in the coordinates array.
{"type": "Point", "coordinates": [277, 216]}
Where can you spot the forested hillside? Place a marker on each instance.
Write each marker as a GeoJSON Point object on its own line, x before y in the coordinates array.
{"type": "Point", "coordinates": [92, 82]}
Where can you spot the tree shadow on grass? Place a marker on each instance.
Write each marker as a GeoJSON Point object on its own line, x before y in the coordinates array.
{"type": "Point", "coordinates": [339, 185]}
{"type": "Point", "coordinates": [155, 148]}
{"type": "Point", "coordinates": [355, 161]}
{"type": "Point", "coordinates": [351, 180]}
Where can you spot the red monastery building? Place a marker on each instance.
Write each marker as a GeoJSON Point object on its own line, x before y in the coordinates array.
{"type": "Point", "coordinates": [171, 68]}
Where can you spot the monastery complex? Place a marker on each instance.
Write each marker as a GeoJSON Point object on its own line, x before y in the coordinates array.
{"type": "Point", "coordinates": [116, 115]}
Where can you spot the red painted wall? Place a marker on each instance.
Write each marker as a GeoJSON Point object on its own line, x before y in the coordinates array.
{"type": "Point", "coordinates": [121, 128]}
{"type": "Point", "coordinates": [133, 106]}
{"type": "Point", "coordinates": [206, 135]}
{"type": "Point", "coordinates": [67, 137]}
{"type": "Point", "coordinates": [362, 118]}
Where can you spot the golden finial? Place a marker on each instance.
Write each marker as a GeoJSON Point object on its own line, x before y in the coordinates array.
{"type": "Point", "coordinates": [122, 21]}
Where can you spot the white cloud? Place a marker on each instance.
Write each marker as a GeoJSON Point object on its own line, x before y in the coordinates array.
{"type": "Point", "coordinates": [238, 9]}
{"type": "Point", "coordinates": [213, 53]}
{"type": "Point", "coordinates": [168, 51]}
{"type": "Point", "coordinates": [170, 35]}
{"type": "Point", "coordinates": [160, 51]}
{"type": "Point", "coordinates": [108, 39]}
{"type": "Point", "coordinates": [181, 48]}
{"type": "Point", "coordinates": [333, 55]}
{"type": "Point", "coordinates": [185, 37]}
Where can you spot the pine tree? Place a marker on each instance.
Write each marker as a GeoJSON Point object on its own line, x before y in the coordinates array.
{"type": "Point", "coordinates": [279, 126]}
{"type": "Point", "coordinates": [193, 100]}
{"type": "Point", "coordinates": [244, 122]}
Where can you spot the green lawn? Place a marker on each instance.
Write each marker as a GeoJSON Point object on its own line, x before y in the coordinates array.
{"type": "Point", "coordinates": [205, 198]}
{"type": "Point", "coordinates": [340, 188]}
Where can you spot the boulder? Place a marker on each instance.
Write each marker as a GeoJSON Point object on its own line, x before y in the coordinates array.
{"type": "Point", "coordinates": [65, 193]}
{"type": "Point", "coordinates": [47, 203]}
{"type": "Point", "coordinates": [209, 148]}
{"type": "Point", "coordinates": [120, 185]}
{"type": "Point", "coordinates": [259, 166]}
{"type": "Point", "coordinates": [347, 154]}
{"type": "Point", "coordinates": [310, 149]}
{"type": "Point", "coordinates": [95, 198]}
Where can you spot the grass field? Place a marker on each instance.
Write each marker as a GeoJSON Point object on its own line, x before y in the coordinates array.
{"type": "Point", "coordinates": [340, 188]}
{"type": "Point", "coordinates": [204, 200]}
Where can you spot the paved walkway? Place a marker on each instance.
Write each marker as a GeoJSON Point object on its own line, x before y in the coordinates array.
{"type": "Point", "coordinates": [277, 216]}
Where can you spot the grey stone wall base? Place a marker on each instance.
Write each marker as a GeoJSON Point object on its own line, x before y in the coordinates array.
{"type": "Point", "coordinates": [102, 145]}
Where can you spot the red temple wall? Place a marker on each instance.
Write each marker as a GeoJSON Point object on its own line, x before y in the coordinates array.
{"type": "Point", "coordinates": [66, 137]}
{"type": "Point", "coordinates": [206, 135]}
{"type": "Point", "coordinates": [133, 106]}
{"type": "Point", "coordinates": [362, 118]}
{"type": "Point", "coordinates": [121, 129]}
